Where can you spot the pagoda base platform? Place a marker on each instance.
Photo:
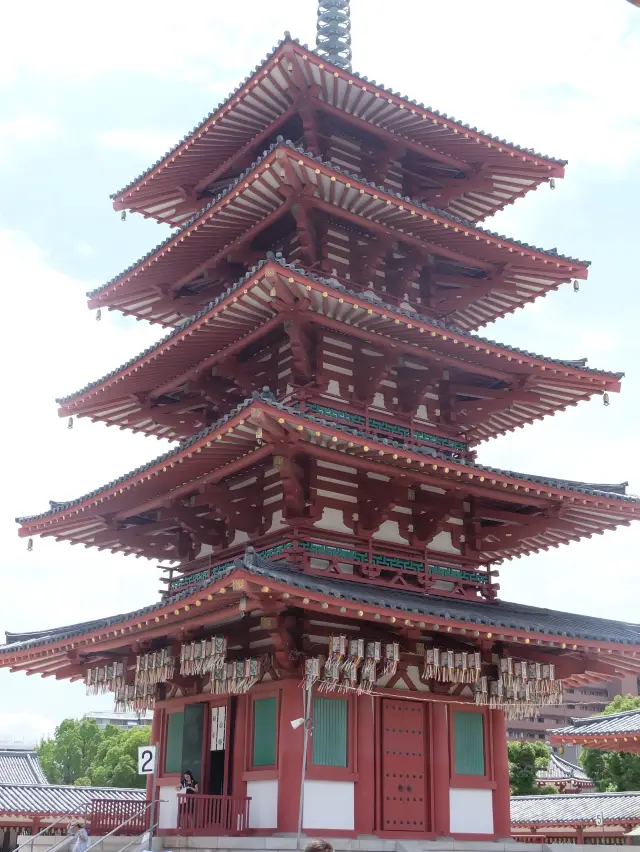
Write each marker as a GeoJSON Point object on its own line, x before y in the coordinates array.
{"type": "Point", "coordinates": [363, 843]}
{"type": "Point", "coordinates": [287, 843]}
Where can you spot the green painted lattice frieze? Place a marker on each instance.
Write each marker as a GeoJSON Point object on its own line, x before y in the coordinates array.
{"type": "Point", "coordinates": [346, 554]}
{"type": "Point", "coordinates": [395, 563]}
{"type": "Point", "coordinates": [212, 573]}
{"type": "Point", "coordinates": [386, 426]}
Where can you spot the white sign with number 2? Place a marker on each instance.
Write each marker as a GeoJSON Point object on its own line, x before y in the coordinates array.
{"type": "Point", "coordinates": [146, 760]}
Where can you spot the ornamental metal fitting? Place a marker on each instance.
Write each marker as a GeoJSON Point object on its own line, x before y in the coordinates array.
{"type": "Point", "coordinates": [333, 38]}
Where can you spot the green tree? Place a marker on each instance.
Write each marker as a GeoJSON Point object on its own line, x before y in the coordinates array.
{"type": "Point", "coordinates": [526, 759]}
{"type": "Point", "coordinates": [612, 771]}
{"type": "Point", "coordinates": [116, 763]}
{"type": "Point", "coordinates": [69, 755]}
{"type": "Point", "coordinates": [81, 753]}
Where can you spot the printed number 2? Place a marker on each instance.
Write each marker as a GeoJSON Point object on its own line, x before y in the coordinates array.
{"type": "Point", "coordinates": [147, 761]}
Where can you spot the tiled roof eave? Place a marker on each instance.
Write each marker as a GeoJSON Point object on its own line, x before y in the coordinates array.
{"type": "Point", "coordinates": [288, 144]}
{"type": "Point", "coordinates": [603, 726]}
{"type": "Point", "coordinates": [517, 618]}
{"type": "Point", "coordinates": [148, 174]}
{"type": "Point", "coordinates": [28, 800]}
{"type": "Point", "coordinates": [575, 809]}
{"type": "Point", "coordinates": [269, 401]}
{"type": "Point", "coordinates": [331, 284]}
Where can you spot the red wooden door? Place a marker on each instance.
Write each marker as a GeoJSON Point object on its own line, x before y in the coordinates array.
{"type": "Point", "coordinates": [404, 798]}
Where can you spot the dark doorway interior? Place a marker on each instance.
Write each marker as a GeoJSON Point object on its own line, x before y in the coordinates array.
{"type": "Point", "coordinates": [216, 773]}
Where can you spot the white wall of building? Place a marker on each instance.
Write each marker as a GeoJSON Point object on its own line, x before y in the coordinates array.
{"type": "Point", "coordinates": [471, 811]}
{"type": "Point", "coordinates": [263, 810]}
{"type": "Point", "coordinates": [329, 805]}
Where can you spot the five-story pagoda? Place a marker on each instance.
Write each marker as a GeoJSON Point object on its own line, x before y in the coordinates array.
{"type": "Point", "coordinates": [324, 516]}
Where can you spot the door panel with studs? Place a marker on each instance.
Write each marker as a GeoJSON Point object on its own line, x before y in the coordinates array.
{"type": "Point", "coordinates": [404, 760]}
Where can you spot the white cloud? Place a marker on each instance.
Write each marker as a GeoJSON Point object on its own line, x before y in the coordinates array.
{"type": "Point", "coordinates": [84, 249]}
{"type": "Point", "coordinates": [559, 78]}
{"type": "Point", "coordinates": [24, 128]}
{"type": "Point", "coordinates": [27, 727]}
{"type": "Point", "coordinates": [146, 143]}
{"type": "Point", "coordinates": [51, 345]}
{"type": "Point", "coordinates": [74, 39]}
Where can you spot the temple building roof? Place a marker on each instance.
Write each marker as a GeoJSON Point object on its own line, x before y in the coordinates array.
{"type": "Point", "coordinates": [253, 201]}
{"type": "Point", "coordinates": [20, 766]}
{"type": "Point", "coordinates": [560, 770]}
{"type": "Point", "coordinates": [248, 308]}
{"type": "Point", "coordinates": [234, 443]}
{"type": "Point", "coordinates": [517, 622]}
{"type": "Point", "coordinates": [608, 732]}
{"type": "Point", "coordinates": [54, 799]}
{"type": "Point", "coordinates": [267, 99]}
{"type": "Point", "coordinates": [575, 809]}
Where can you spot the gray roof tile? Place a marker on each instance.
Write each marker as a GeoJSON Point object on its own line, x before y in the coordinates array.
{"type": "Point", "coordinates": [20, 766]}
{"type": "Point", "coordinates": [580, 364]}
{"type": "Point", "coordinates": [58, 799]}
{"type": "Point", "coordinates": [610, 723]}
{"type": "Point", "coordinates": [258, 68]}
{"type": "Point", "coordinates": [561, 770]}
{"type": "Point", "coordinates": [287, 143]}
{"type": "Point", "coordinates": [498, 614]}
{"type": "Point", "coordinates": [575, 808]}
{"type": "Point", "coordinates": [610, 491]}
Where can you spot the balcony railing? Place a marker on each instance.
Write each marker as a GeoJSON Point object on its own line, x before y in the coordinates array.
{"type": "Point", "coordinates": [212, 816]}
{"type": "Point", "coordinates": [375, 562]}
{"type": "Point", "coordinates": [110, 814]}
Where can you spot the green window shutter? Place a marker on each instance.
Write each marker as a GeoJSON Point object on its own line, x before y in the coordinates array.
{"type": "Point", "coordinates": [192, 740]}
{"type": "Point", "coordinates": [329, 732]}
{"type": "Point", "coordinates": [264, 731]}
{"type": "Point", "coordinates": [175, 728]}
{"type": "Point", "coordinates": [468, 743]}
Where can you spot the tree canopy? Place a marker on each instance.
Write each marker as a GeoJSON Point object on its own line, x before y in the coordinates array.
{"type": "Point", "coordinates": [611, 771]}
{"type": "Point", "coordinates": [526, 759]}
{"type": "Point", "coordinates": [83, 754]}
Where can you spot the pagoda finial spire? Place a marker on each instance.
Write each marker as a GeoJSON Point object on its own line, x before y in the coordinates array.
{"type": "Point", "coordinates": [333, 38]}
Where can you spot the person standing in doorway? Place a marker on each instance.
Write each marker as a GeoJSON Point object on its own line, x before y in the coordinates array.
{"type": "Point", "coordinates": [188, 787]}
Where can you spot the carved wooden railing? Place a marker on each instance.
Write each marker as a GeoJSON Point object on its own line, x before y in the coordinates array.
{"type": "Point", "coordinates": [110, 814]}
{"type": "Point", "coordinates": [213, 815]}
{"type": "Point", "coordinates": [374, 561]}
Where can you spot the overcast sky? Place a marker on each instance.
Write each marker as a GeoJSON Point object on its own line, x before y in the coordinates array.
{"type": "Point", "coordinates": [91, 95]}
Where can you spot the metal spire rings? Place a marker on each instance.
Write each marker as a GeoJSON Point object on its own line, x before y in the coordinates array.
{"type": "Point", "coordinates": [333, 39]}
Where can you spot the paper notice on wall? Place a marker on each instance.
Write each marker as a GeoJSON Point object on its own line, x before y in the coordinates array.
{"type": "Point", "coordinates": [218, 728]}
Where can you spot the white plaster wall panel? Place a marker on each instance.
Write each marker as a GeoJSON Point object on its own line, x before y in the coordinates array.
{"type": "Point", "coordinates": [389, 531]}
{"type": "Point", "coordinates": [332, 520]}
{"type": "Point", "coordinates": [329, 805]}
{"type": "Point", "coordinates": [277, 521]}
{"type": "Point", "coordinates": [168, 808]}
{"type": "Point", "coordinates": [263, 810]}
{"type": "Point", "coordinates": [471, 811]}
{"type": "Point", "coordinates": [443, 543]}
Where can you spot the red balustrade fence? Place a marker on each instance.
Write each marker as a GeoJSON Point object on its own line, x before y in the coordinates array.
{"type": "Point", "coordinates": [109, 814]}
{"type": "Point", "coordinates": [212, 815]}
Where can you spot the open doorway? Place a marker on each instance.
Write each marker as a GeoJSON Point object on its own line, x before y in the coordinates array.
{"type": "Point", "coordinates": [219, 757]}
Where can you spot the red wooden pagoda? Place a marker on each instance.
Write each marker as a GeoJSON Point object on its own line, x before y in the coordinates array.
{"type": "Point", "coordinates": [327, 527]}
